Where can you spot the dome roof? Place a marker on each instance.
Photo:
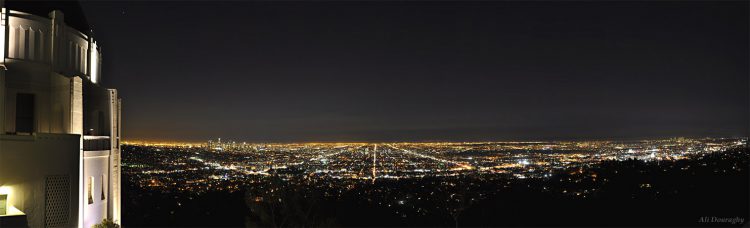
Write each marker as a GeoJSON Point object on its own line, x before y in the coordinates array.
{"type": "Point", "coordinates": [74, 15]}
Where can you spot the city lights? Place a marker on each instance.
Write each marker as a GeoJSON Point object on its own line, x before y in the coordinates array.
{"type": "Point", "coordinates": [228, 165]}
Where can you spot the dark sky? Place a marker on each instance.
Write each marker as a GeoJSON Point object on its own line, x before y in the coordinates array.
{"type": "Point", "coordinates": [403, 71]}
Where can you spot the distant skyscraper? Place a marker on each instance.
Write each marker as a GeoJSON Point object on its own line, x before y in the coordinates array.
{"type": "Point", "coordinates": [59, 128]}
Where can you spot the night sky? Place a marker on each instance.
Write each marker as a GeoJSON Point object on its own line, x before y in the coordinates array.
{"type": "Point", "coordinates": [425, 71]}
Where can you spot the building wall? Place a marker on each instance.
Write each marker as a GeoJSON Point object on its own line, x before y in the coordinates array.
{"type": "Point", "coordinates": [95, 169]}
{"type": "Point", "coordinates": [114, 163]}
{"type": "Point", "coordinates": [52, 95]}
{"type": "Point", "coordinates": [43, 56]}
{"type": "Point", "coordinates": [48, 40]}
{"type": "Point", "coordinates": [26, 163]}
{"type": "Point", "coordinates": [60, 66]}
{"type": "Point", "coordinates": [29, 37]}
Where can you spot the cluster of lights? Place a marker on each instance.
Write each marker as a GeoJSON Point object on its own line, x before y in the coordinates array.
{"type": "Point", "coordinates": [195, 167]}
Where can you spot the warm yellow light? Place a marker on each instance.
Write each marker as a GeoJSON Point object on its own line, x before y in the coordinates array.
{"type": "Point", "coordinates": [4, 193]}
{"type": "Point", "coordinates": [94, 65]}
{"type": "Point", "coordinates": [14, 211]}
{"type": "Point", "coordinates": [2, 35]}
{"type": "Point", "coordinates": [5, 190]}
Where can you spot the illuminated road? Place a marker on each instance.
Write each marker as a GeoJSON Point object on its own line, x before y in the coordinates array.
{"type": "Point", "coordinates": [374, 163]}
{"type": "Point", "coordinates": [461, 164]}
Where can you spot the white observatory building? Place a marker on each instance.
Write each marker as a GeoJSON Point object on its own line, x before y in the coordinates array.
{"type": "Point", "coordinates": [59, 128]}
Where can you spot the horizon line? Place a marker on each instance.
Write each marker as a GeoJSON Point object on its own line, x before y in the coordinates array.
{"type": "Point", "coordinates": [191, 142]}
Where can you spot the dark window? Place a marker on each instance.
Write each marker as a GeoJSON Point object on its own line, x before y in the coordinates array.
{"type": "Point", "coordinates": [102, 125]}
{"type": "Point", "coordinates": [103, 198]}
{"type": "Point", "coordinates": [25, 113]}
{"type": "Point", "coordinates": [91, 190]}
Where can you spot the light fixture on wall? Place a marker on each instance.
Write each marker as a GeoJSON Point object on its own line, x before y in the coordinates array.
{"type": "Point", "coordinates": [4, 192]}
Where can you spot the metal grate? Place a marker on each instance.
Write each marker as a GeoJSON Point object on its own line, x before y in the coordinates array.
{"type": "Point", "coordinates": [57, 201]}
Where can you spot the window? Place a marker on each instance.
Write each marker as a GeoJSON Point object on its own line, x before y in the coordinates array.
{"type": "Point", "coordinates": [102, 124]}
{"type": "Point", "coordinates": [103, 198]}
{"type": "Point", "coordinates": [91, 190]}
{"type": "Point", "coordinates": [24, 113]}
